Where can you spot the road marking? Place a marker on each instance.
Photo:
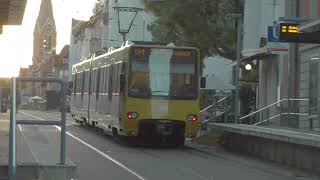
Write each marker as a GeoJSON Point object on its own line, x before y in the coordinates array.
{"type": "Point", "coordinates": [25, 139]}
{"type": "Point", "coordinates": [96, 150]}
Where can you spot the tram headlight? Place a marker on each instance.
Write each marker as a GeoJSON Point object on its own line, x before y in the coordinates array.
{"type": "Point", "coordinates": [132, 115]}
{"type": "Point", "coordinates": [192, 117]}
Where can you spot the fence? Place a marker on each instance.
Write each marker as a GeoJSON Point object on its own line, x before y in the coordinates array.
{"type": "Point", "coordinates": [14, 122]}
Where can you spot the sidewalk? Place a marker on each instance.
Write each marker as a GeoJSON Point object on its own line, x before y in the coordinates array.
{"type": "Point", "coordinates": [208, 144]}
{"type": "Point", "coordinates": [25, 160]}
{"type": "Point", "coordinates": [27, 166]}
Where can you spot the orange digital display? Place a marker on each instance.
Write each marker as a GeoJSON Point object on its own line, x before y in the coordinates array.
{"type": "Point", "coordinates": [289, 28]}
{"type": "Point", "coordinates": [165, 52]}
{"type": "Point", "coordinates": [140, 52]}
{"type": "Point", "coordinates": [182, 53]}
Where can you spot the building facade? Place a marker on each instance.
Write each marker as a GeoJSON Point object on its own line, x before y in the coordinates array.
{"type": "Point", "coordinates": [309, 77]}
{"type": "Point", "coordinates": [274, 58]}
{"type": "Point", "coordinates": [101, 32]}
{"type": "Point", "coordinates": [258, 15]}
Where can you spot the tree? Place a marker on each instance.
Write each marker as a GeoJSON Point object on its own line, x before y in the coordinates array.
{"type": "Point", "coordinates": [199, 23]}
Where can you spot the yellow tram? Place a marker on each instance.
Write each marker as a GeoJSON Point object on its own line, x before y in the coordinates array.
{"type": "Point", "coordinates": [140, 91]}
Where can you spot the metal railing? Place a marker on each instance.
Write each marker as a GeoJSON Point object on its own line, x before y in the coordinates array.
{"type": "Point", "coordinates": [14, 122]}
{"type": "Point", "coordinates": [275, 116]}
{"type": "Point", "coordinates": [214, 105]}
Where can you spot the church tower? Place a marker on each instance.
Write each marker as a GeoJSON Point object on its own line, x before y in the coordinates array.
{"type": "Point", "coordinates": [44, 34]}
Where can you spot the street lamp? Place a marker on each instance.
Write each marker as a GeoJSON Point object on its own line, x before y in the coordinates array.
{"type": "Point", "coordinates": [239, 19]}
{"type": "Point", "coordinates": [126, 17]}
{"type": "Point", "coordinates": [248, 67]}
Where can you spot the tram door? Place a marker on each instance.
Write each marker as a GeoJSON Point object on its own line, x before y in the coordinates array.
{"type": "Point", "coordinates": [313, 92]}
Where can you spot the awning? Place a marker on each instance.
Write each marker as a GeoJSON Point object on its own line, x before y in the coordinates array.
{"type": "Point", "coordinates": [252, 56]}
{"type": "Point", "coordinates": [11, 12]}
{"type": "Point", "coordinates": [312, 26]}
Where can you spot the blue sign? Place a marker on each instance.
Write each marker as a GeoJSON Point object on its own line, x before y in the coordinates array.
{"type": "Point", "coordinates": [272, 34]}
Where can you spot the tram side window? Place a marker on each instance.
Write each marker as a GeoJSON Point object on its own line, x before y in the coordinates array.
{"type": "Point", "coordinates": [84, 90]}
{"type": "Point", "coordinates": [118, 77]}
{"type": "Point", "coordinates": [78, 80]}
{"type": "Point", "coordinates": [110, 81]}
{"type": "Point", "coordinates": [115, 79]}
{"type": "Point", "coordinates": [101, 80]}
{"type": "Point", "coordinates": [87, 76]}
{"type": "Point", "coordinates": [74, 84]}
{"type": "Point", "coordinates": [106, 80]}
{"type": "Point", "coordinates": [83, 82]}
{"type": "Point", "coordinates": [79, 83]}
{"type": "Point", "coordinates": [122, 71]}
{"type": "Point", "coordinates": [87, 82]}
{"type": "Point", "coordinates": [97, 82]}
{"type": "Point", "coordinates": [93, 81]}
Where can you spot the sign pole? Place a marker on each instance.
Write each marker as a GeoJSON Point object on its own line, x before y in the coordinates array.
{"type": "Point", "coordinates": [12, 132]}
{"type": "Point", "coordinates": [237, 83]}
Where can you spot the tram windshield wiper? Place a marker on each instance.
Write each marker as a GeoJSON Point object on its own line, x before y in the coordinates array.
{"type": "Point", "coordinates": [161, 93]}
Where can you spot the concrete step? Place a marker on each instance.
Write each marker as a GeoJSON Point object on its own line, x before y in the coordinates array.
{"type": "Point", "coordinates": [40, 172]}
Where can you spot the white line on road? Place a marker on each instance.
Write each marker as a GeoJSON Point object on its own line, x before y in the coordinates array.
{"type": "Point", "coordinates": [25, 139]}
{"type": "Point", "coordinates": [96, 150]}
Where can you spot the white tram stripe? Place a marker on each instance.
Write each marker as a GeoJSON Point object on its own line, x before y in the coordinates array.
{"type": "Point", "coordinates": [96, 150]}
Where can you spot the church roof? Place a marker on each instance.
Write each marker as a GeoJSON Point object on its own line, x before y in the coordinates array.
{"type": "Point", "coordinates": [45, 13]}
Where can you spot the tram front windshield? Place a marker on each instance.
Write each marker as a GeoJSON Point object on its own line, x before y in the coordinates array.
{"type": "Point", "coordinates": [163, 73]}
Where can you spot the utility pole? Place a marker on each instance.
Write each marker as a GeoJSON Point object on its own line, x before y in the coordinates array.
{"type": "Point", "coordinates": [239, 18]}
{"type": "Point", "coordinates": [292, 56]}
{"type": "Point", "coordinates": [12, 133]}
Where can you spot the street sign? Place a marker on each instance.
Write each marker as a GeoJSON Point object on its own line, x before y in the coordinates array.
{"type": "Point", "coordinates": [272, 34]}
{"type": "Point", "coordinates": [289, 32]}
{"type": "Point", "coordinates": [273, 44]}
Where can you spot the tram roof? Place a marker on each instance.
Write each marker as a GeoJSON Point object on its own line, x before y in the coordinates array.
{"type": "Point", "coordinates": [133, 44]}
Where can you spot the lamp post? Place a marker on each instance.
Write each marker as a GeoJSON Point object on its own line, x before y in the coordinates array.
{"type": "Point", "coordinates": [126, 17]}
{"type": "Point", "coordinates": [239, 19]}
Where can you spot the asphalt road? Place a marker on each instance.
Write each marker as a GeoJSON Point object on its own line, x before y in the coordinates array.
{"type": "Point", "coordinates": [99, 157]}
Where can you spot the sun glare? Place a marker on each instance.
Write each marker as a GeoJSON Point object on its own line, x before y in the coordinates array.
{"type": "Point", "coordinates": [16, 42]}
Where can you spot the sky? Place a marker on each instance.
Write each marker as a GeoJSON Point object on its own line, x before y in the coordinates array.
{"type": "Point", "coordinates": [16, 42]}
